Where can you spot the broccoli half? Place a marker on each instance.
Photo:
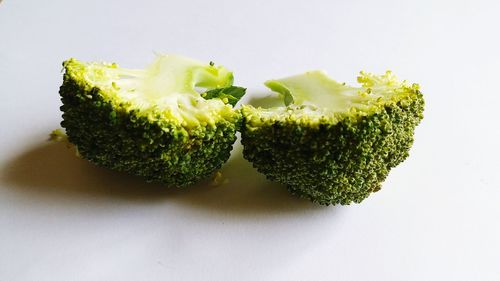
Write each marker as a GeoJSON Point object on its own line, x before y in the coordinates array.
{"type": "Point", "coordinates": [330, 142]}
{"type": "Point", "coordinates": [153, 122]}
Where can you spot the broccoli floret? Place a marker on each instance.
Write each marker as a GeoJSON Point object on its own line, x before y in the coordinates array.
{"type": "Point", "coordinates": [330, 142]}
{"type": "Point", "coordinates": [152, 122]}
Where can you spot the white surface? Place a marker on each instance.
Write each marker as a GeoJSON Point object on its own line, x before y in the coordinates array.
{"type": "Point", "coordinates": [436, 218]}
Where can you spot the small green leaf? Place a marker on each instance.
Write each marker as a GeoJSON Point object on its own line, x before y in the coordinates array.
{"type": "Point", "coordinates": [229, 95]}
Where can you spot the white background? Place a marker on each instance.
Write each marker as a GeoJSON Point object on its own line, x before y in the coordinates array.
{"type": "Point", "coordinates": [437, 216]}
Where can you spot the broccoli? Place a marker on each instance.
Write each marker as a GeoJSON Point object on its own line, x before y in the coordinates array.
{"type": "Point", "coordinates": [154, 122]}
{"type": "Point", "coordinates": [330, 142]}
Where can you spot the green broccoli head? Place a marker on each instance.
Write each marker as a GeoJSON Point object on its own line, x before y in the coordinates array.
{"type": "Point", "coordinates": [152, 122]}
{"type": "Point", "coordinates": [330, 142]}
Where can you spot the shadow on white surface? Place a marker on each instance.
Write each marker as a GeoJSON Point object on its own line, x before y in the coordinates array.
{"type": "Point", "coordinates": [51, 172]}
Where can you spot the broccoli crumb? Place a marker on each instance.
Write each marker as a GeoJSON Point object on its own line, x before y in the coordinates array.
{"type": "Point", "coordinates": [218, 179]}
{"type": "Point", "coordinates": [58, 135]}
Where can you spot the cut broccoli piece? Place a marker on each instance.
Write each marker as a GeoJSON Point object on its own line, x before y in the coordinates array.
{"type": "Point", "coordinates": [330, 142]}
{"type": "Point", "coordinates": [152, 122]}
